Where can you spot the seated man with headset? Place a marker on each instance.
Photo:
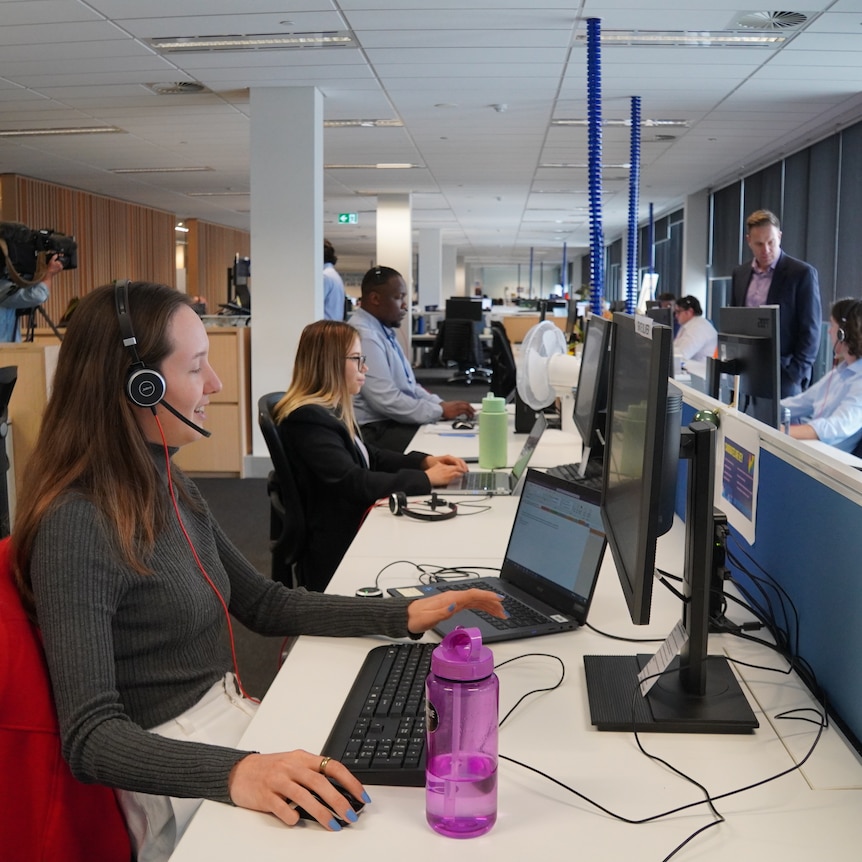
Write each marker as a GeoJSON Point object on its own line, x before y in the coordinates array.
{"type": "Point", "coordinates": [831, 409]}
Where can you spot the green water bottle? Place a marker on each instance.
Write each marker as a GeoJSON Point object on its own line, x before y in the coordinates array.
{"type": "Point", "coordinates": [493, 433]}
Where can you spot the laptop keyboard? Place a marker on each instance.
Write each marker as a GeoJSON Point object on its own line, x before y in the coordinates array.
{"type": "Point", "coordinates": [477, 481]}
{"type": "Point", "coordinates": [520, 615]}
{"type": "Point", "coordinates": [379, 734]}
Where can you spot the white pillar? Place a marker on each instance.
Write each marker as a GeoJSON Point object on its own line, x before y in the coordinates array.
{"type": "Point", "coordinates": [451, 272]}
{"type": "Point", "coordinates": [695, 246]}
{"type": "Point", "coordinates": [395, 247]}
{"type": "Point", "coordinates": [286, 236]}
{"type": "Point", "coordinates": [430, 267]}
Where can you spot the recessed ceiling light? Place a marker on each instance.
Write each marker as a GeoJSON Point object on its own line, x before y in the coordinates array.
{"type": "Point", "coordinates": [216, 194]}
{"type": "Point", "coordinates": [580, 121]}
{"type": "Point", "coordinates": [368, 124]}
{"type": "Point", "coordinates": [77, 130]}
{"type": "Point", "coordinates": [253, 42]}
{"type": "Point", "coordinates": [622, 166]}
{"type": "Point", "coordinates": [178, 88]}
{"type": "Point", "coordinates": [193, 169]}
{"type": "Point", "coordinates": [383, 166]}
{"type": "Point", "coordinates": [691, 38]}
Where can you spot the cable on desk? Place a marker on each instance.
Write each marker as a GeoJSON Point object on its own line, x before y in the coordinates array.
{"type": "Point", "coordinates": [431, 572]}
{"type": "Point", "coordinates": [524, 696]}
{"type": "Point", "coordinates": [800, 714]}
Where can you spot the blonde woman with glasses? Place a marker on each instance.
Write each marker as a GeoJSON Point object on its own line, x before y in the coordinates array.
{"type": "Point", "coordinates": [340, 476]}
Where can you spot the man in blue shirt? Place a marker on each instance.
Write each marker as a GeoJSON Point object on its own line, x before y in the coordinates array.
{"type": "Point", "coordinates": [831, 409]}
{"type": "Point", "coordinates": [333, 286]}
{"type": "Point", "coordinates": [29, 297]}
{"type": "Point", "coordinates": [392, 405]}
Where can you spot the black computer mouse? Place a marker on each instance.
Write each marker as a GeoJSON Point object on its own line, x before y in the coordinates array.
{"type": "Point", "coordinates": [356, 804]}
{"type": "Point", "coordinates": [463, 424]}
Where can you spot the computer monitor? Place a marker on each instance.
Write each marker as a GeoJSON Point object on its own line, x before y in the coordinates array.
{"type": "Point", "coordinates": [464, 308]}
{"type": "Point", "coordinates": [749, 353]}
{"type": "Point", "coordinates": [697, 692]}
{"type": "Point", "coordinates": [591, 396]}
{"type": "Point", "coordinates": [664, 316]}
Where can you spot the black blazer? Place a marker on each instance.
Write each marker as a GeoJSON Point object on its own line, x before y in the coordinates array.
{"type": "Point", "coordinates": [335, 486]}
{"type": "Point", "coordinates": [795, 290]}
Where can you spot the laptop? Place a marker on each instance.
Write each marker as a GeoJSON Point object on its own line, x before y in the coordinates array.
{"type": "Point", "coordinates": [550, 569]}
{"type": "Point", "coordinates": [495, 483]}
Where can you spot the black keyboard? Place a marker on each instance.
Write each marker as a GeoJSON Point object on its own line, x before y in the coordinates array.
{"type": "Point", "coordinates": [379, 734]}
{"type": "Point", "coordinates": [520, 614]}
{"type": "Point", "coordinates": [572, 473]}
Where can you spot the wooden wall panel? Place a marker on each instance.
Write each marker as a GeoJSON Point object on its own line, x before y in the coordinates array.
{"type": "Point", "coordinates": [210, 253]}
{"type": "Point", "coordinates": [115, 239]}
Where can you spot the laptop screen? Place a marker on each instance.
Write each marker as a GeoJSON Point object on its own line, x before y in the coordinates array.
{"type": "Point", "coordinates": [557, 541]}
{"type": "Point", "coordinates": [530, 444]}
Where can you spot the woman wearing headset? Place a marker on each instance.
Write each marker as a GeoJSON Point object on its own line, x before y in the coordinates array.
{"type": "Point", "coordinates": [831, 409]}
{"type": "Point", "coordinates": [338, 474]}
{"type": "Point", "coordinates": [130, 580]}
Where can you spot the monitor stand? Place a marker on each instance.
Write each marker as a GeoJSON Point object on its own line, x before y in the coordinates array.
{"type": "Point", "coordinates": [616, 702]}
{"type": "Point", "coordinates": [698, 693]}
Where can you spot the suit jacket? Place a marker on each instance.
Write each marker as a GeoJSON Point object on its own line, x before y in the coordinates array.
{"type": "Point", "coordinates": [795, 290]}
{"type": "Point", "coordinates": [336, 487]}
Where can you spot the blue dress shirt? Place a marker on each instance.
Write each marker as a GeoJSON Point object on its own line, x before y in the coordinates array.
{"type": "Point", "coordinates": [832, 406]}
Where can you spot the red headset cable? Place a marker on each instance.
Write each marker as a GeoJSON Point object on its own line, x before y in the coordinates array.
{"type": "Point", "coordinates": [200, 566]}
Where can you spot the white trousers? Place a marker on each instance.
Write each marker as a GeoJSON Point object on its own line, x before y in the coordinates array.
{"type": "Point", "coordinates": [156, 823]}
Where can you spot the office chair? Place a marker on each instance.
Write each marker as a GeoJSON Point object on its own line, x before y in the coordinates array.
{"type": "Point", "coordinates": [46, 813]}
{"type": "Point", "coordinates": [503, 372]}
{"type": "Point", "coordinates": [458, 342]}
{"type": "Point", "coordinates": [286, 513]}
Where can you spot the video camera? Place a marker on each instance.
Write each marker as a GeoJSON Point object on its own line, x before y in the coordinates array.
{"type": "Point", "coordinates": [24, 245]}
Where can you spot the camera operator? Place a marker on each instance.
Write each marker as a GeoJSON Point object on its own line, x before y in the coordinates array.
{"type": "Point", "coordinates": [24, 298]}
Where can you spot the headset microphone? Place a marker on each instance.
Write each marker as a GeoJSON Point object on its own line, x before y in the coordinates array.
{"type": "Point", "coordinates": [183, 419]}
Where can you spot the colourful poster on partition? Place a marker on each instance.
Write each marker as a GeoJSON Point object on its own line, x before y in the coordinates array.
{"type": "Point", "coordinates": [737, 488]}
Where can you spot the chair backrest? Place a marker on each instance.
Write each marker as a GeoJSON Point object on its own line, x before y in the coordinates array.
{"type": "Point", "coordinates": [45, 812]}
{"type": "Point", "coordinates": [287, 532]}
{"type": "Point", "coordinates": [503, 369]}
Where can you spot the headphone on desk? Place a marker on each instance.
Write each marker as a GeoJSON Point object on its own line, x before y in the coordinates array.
{"type": "Point", "coordinates": [398, 506]}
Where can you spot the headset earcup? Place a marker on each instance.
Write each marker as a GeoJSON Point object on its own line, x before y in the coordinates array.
{"type": "Point", "coordinates": [145, 387]}
{"type": "Point", "coordinates": [397, 503]}
{"type": "Point", "coordinates": [840, 334]}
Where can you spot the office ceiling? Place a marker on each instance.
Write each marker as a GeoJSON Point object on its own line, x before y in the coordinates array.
{"type": "Point", "coordinates": [476, 84]}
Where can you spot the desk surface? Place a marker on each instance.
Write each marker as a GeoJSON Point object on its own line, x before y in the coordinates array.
{"type": "Point", "coordinates": [811, 813]}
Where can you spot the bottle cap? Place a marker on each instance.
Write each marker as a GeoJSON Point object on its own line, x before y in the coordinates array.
{"type": "Point", "coordinates": [462, 656]}
{"type": "Point", "coordinates": [493, 404]}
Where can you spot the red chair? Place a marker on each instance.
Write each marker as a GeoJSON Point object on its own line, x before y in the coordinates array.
{"type": "Point", "coordinates": [45, 813]}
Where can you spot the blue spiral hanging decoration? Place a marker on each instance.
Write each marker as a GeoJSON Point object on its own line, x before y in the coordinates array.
{"type": "Point", "coordinates": [594, 150]}
{"type": "Point", "coordinates": [634, 185]}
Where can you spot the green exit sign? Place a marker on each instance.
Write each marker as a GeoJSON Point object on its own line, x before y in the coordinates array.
{"type": "Point", "coordinates": [348, 218]}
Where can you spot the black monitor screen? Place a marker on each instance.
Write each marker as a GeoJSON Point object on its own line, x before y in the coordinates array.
{"type": "Point", "coordinates": [464, 308]}
{"type": "Point", "coordinates": [748, 351]}
{"type": "Point", "coordinates": [664, 316]}
{"type": "Point", "coordinates": [638, 450]}
{"type": "Point", "coordinates": [591, 395]}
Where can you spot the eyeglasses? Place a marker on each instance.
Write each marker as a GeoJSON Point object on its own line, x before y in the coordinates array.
{"type": "Point", "coordinates": [358, 358]}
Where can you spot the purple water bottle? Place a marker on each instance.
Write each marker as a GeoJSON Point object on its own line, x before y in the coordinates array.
{"type": "Point", "coordinates": [462, 697]}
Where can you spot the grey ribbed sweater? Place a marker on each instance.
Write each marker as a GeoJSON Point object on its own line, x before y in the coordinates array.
{"type": "Point", "coordinates": [127, 652]}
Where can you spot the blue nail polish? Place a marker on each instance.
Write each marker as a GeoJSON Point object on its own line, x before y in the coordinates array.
{"type": "Point", "coordinates": [365, 797]}
{"type": "Point", "coordinates": [351, 815]}
{"type": "Point", "coordinates": [334, 825]}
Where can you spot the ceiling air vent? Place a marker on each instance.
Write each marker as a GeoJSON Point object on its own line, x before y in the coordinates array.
{"type": "Point", "coordinates": [179, 88]}
{"type": "Point", "coordinates": [771, 21]}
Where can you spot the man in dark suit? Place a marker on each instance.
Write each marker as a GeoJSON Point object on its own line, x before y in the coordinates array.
{"type": "Point", "coordinates": [775, 278]}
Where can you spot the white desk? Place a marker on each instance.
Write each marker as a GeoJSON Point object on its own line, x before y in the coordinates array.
{"type": "Point", "coordinates": [813, 814]}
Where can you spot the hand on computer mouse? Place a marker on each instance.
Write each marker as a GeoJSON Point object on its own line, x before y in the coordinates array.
{"type": "Point", "coordinates": [355, 804]}
{"type": "Point", "coordinates": [462, 423]}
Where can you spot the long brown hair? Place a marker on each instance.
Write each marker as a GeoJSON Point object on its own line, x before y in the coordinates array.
{"type": "Point", "coordinates": [90, 441]}
{"type": "Point", "coordinates": [318, 371]}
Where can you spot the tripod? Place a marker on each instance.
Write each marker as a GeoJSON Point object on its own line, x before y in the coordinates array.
{"type": "Point", "coordinates": [31, 326]}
